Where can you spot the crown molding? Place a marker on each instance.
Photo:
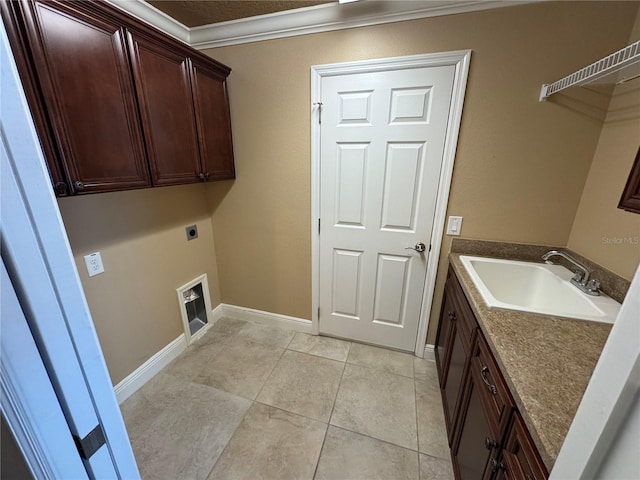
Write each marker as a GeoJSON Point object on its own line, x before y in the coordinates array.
{"type": "Point", "coordinates": [329, 17]}
{"type": "Point", "coordinates": [148, 13]}
{"type": "Point", "coordinates": [304, 21]}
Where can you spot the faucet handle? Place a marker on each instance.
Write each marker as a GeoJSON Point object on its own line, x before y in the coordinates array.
{"type": "Point", "coordinates": [578, 276]}
{"type": "Point", "coordinates": [594, 286]}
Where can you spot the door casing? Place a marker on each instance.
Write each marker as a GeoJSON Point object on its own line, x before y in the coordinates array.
{"type": "Point", "coordinates": [460, 59]}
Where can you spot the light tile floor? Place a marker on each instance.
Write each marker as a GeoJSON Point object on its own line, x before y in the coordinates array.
{"type": "Point", "coordinates": [249, 401]}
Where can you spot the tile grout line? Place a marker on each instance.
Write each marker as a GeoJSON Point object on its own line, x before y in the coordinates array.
{"type": "Point", "coordinates": [415, 394]}
{"type": "Point", "coordinates": [333, 406]}
{"type": "Point", "coordinates": [266, 380]}
{"type": "Point", "coordinates": [229, 441]}
{"type": "Point", "coordinates": [364, 434]}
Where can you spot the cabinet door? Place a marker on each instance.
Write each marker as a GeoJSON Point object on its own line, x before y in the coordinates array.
{"type": "Point", "coordinates": [81, 61]}
{"type": "Point", "coordinates": [476, 442]}
{"type": "Point", "coordinates": [452, 387]}
{"type": "Point", "coordinates": [445, 326]}
{"type": "Point", "coordinates": [630, 199]}
{"type": "Point", "coordinates": [213, 120]}
{"type": "Point", "coordinates": [161, 72]}
{"type": "Point", "coordinates": [520, 459]}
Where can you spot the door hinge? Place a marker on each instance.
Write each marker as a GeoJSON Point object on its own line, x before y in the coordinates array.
{"type": "Point", "coordinates": [318, 312]}
{"type": "Point", "coordinates": [318, 226]}
{"type": "Point", "coordinates": [319, 104]}
{"type": "Point", "coordinates": [90, 444]}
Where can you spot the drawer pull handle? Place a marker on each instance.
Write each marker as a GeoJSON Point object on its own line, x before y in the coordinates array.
{"type": "Point", "coordinates": [79, 185]}
{"type": "Point", "coordinates": [489, 444]}
{"type": "Point", "coordinates": [492, 388]}
{"type": "Point", "coordinates": [452, 316]}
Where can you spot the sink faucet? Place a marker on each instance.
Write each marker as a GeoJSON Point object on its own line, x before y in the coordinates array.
{"type": "Point", "coordinates": [581, 279]}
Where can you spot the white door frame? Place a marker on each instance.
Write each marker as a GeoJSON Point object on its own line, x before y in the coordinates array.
{"type": "Point", "coordinates": [43, 275]}
{"type": "Point", "coordinates": [460, 60]}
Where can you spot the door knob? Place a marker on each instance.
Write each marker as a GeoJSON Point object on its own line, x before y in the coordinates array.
{"type": "Point", "coordinates": [419, 247]}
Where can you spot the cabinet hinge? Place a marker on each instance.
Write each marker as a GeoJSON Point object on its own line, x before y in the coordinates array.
{"type": "Point", "coordinates": [429, 247]}
{"type": "Point", "coordinates": [318, 312]}
{"type": "Point", "coordinates": [90, 444]}
{"type": "Point", "coordinates": [318, 226]}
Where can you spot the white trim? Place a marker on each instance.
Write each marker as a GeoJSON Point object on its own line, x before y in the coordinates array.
{"type": "Point", "coordinates": [328, 17]}
{"type": "Point", "coordinates": [37, 254]}
{"type": "Point", "coordinates": [28, 401]}
{"type": "Point", "coordinates": [303, 21]}
{"type": "Point", "coordinates": [216, 314]}
{"type": "Point", "coordinates": [429, 352]}
{"type": "Point", "coordinates": [460, 59]}
{"type": "Point", "coordinates": [149, 14]}
{"type": "Point", "coordinates": [201, 279]}
{"type": "Point", "coordinates": [157, 362]}
{"type": "Point", "coordinates": [148, 369]}
{"type": "Point", "coordinates": [268, 318]}
{"type": "Point", "coordinates": [444, 186]}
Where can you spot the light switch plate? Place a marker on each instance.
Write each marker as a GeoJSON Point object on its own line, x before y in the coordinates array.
{"type": "Point", "coordinates": [454, 225]}
{"type": "Point", "coordinates": [94, 264]}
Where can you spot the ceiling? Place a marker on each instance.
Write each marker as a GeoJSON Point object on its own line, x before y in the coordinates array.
{"type": "Point", "coordinates": [193, 13]}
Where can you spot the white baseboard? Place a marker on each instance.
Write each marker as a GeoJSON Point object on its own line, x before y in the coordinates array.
{"type": "Point", "coordinates": [148, 369]}
{"type": "Point", "coordinates": [216, 314]}
{"type": "Point", "coordinates": [268, 318]}
{"type": "Point", "coordinates": [429, 352]}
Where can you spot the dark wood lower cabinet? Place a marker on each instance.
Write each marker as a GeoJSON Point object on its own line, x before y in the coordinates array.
{"type": "Point", "coordinates": [454, 341]}
{"type": "Point", "coordinates": [487, 436]}
{"type": "Point", "coordinates": [518, 458]}
{"type": "Point", "coordinates": [475, 443]}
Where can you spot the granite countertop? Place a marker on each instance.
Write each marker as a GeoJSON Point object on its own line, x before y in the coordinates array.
{"type": "Point", "coordinates": [547, 362]}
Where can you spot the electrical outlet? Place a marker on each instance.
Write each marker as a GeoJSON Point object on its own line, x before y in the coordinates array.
{"type": "Point", "coordinates": [454, 225]}
{"type": "Point", "coordinates": [94, 264]}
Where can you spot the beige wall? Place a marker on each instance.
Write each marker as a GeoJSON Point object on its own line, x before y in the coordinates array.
{"type": "Point", "coordinates": [520, 168]}
{"type": "Point", "coordinates": [140, 235]}
{"type": "Point", "coordinates": [602, 232]}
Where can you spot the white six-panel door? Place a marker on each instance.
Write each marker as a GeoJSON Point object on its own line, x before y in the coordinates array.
{"type": "Point", "coordinates": [382, 144]}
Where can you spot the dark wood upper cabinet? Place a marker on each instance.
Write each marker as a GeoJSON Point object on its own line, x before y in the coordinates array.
{"type": "Point", "coordinates": [82, 66]}
{"type": "Point", "coordinates": [630, 199]}
{"type": "Point", "coordinates": [213, 119]}
{"type": "Point", "coordinates": [166, 107]}
{"type": "Point", "coordinates": [117, 103]}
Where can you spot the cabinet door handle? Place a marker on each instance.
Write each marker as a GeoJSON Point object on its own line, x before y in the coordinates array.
{"type": "Point", "coordinates": [60, 188]}
{"type": "Point", "coordinates": [79, 185]}
{"type": "Point", "coordinates": [495, 465]}
{"type": "Point", "coordinates": [206, 175]}
{"type": "Point", "coordinates": [489, 444]}
{"type": "Point", "coordinates": [492, 388]}
{"type": "Point", "coordinates": [202, 177]}
{"type": "Point", "coordinates": [452, 316]}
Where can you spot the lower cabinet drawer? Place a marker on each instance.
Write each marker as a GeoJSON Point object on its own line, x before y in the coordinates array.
{"type": "Point", "coordinates": [493, 389]}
